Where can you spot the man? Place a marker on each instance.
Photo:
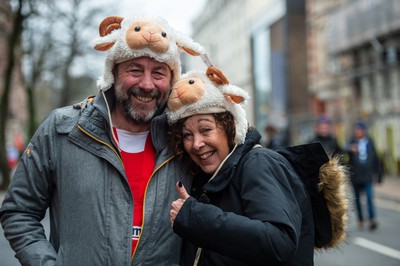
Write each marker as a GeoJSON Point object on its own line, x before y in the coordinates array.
{"type": "Point", "coordinates": [323, 134]}
{"type": "Point", "coordinates": [364, 167]}
{"type": "Point", "coordinates": [275, 138]}
{"type": "Point", "coordinates": [100, 167]}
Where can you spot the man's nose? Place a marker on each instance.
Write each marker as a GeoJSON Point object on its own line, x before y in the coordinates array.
{"type": "Point", "coordinates": [147, 83]}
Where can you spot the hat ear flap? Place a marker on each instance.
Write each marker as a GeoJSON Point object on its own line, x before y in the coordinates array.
{"type": "Point", "coordinates": [235, 98]}
{"type": "Point", "coordinates": [104, 46]}
{"type": "Point", "coordinates": [187, 45]}
{"type": "Point", "coordinates": [236, 94]}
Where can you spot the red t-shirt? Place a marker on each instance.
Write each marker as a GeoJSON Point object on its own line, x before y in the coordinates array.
{"type": "Point", "coordinates": [139, 165]}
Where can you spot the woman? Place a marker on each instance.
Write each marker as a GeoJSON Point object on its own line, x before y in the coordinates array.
{"type": "Point", "coordinates": [247, 205]}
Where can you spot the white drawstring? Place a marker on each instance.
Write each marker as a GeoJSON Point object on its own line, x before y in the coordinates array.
{"type": "Point", "coordinates": [196, 260]}
{"type": "Point", "coordinates": [222, 163]}
{"type": "Point", "coordinates": [110, 120]}
{"type": "Point", "coordinates": [199, 250]}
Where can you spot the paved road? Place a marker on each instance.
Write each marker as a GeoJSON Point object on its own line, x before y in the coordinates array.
{"type": "Point", "coordinates": [369, 248]}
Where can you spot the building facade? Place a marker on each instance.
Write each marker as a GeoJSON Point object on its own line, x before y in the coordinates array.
{"type": "Point", "coordinates": [354, 71]}
{"type": "Point", "coordinates": [261, 47]}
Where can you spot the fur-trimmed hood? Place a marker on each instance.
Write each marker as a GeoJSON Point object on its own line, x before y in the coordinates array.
{"type": "Point", "coordinates": [326, 181]}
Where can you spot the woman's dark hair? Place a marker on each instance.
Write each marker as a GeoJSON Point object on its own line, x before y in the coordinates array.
{"type": "Point", "coordinates": [225, 121]}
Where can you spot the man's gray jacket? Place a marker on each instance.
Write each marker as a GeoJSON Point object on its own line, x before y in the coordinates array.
{"type": "Point", "coordinates": [72, 168]}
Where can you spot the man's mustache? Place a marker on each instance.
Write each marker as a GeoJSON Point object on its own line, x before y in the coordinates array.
{"type": "Point", "coordinates": [135, 91]}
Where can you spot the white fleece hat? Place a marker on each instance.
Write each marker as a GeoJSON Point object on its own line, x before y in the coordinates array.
{"type": "Point", "coordinates": [129, 38]}
{"type": "Point", "coordinates": [199, 93]}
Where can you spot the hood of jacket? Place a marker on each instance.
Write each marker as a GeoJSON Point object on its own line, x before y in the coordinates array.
{"type": "Point", "coordinates": [226, 172]}
{"type": "Point", "coordinates": [325, 179]}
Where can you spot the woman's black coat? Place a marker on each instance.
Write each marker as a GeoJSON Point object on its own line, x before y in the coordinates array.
{"type": "Point", "coordinates": [254, 211]}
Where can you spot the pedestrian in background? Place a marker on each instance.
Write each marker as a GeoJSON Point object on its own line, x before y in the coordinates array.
{"type": "Point", "coordinates": [276, 138]}
{"type": "Point", "coordinates": [100, 167]}
{"type": "Point", "coordinates": [323, 133]}
{"type": "Point", "coordinates": [364, 171]}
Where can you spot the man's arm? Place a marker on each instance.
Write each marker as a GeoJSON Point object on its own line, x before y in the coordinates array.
{"type": "Point", "coordinates": [27, 200]}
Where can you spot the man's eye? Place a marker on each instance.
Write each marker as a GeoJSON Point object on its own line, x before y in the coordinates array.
{"type": "Point", "coordinates": [135, 70]}
{"type": "Point", "coordinates": [159, 74]}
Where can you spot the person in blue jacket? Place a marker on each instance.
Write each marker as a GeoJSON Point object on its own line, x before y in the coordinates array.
{"type": "Point", "coordinates": [247, 205]}
{"type": "Point", "coordinates": [365, 171]}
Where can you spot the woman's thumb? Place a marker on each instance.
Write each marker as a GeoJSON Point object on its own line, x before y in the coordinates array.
{"type": "Point", "coordinates": [181, 190]}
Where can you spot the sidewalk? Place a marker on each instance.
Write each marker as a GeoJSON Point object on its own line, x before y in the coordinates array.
{"type": "Point", "coordinates": [389, 189]}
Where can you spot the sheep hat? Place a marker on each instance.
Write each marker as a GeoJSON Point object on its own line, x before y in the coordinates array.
{"type": "Point", "coordinates": [205, 93]}
{"type": "Point", "coordinates": [128, 38]}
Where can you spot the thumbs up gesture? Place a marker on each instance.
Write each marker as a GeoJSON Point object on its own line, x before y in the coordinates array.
{"type": "Point", "coordinates": [177, 204]}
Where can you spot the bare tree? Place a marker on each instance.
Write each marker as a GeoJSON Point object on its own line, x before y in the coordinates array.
{"type": "Point", "coordinates": [75, 27]}
{"type": "Point", "coordinates": [54, 36]}
{"type": "Point", "coordinates": [38, 41]}
{"type": "Point", "coordinates": [13, 45]}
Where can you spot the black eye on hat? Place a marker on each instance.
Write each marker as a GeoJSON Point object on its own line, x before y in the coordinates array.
{"type": "Point", "coordinates": [191, 81]}
{"type": "Point", "coordinates": [164, 34]}
{"type": "Point", "coordinates": [137, 28]}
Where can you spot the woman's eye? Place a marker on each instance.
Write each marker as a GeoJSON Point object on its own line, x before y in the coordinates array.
{"type": "Point", "coordinates": [186, 135]}
{"type": "Point", "coordinates": [205, 130]}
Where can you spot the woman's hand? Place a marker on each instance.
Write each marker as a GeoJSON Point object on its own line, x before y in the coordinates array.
{"type": "Point", "coordinates": [177, 204]}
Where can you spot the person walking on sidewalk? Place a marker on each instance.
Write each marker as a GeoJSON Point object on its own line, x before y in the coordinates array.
{"type": "Point", "coordinates": [365, 168]}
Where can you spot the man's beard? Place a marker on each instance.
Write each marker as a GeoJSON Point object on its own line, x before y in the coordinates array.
{"type": "Point", "coordinates": [131, 111]}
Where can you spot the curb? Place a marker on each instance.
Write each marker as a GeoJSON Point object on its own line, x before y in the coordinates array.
{"type": "Point", "coordinates": [386, 196]}
{"type": "Point", "coordinates": [389, 189]}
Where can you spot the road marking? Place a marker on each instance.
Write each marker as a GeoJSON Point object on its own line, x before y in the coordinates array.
{"type": "Point", "coordinates": [388, 251]}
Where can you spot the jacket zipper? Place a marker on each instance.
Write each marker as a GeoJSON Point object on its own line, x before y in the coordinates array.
{"type": "Point", "coordinates": [102, 142]}
{"type": "Point", "coordinates": [147, 185]}
{"type": "Point", "coordinates": [144, 201]}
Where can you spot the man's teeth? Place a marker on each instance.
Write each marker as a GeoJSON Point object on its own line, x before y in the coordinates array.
{"type": "Point", "coordinates": [144, 99]}
{"type": "Point", "coordinates": [205, 155]}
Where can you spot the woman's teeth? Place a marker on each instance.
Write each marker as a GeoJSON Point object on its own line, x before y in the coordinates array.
{"type": "Point", "coordinates": [206, 155]}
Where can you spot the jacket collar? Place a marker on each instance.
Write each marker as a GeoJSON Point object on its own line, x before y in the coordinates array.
{"type": "Point", "coordinates": [227, 171]}
{"type": "Point", "coordinates": [158, 131]}
{"type": "Point", "coordinates": [158, 126]}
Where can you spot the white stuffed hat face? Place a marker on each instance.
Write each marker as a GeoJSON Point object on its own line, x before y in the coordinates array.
{"type": "Point", "coordinates": [184, 92]}
{"type": "Point", "coordinates": [196, 94]}
{"type": "Point", "coordinates": [125, 39]}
